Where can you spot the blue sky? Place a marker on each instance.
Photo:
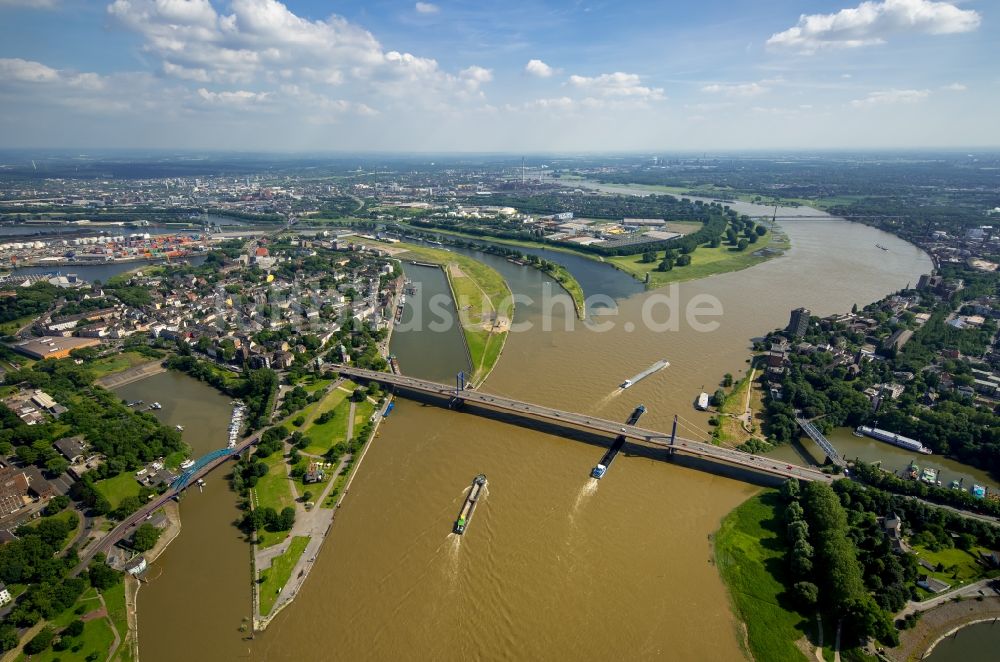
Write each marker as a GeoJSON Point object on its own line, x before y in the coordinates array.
{"type": "Point", "coordinates": [518, 75]}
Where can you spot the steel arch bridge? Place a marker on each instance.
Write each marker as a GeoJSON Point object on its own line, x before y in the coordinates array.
{"type": "Point", "coordinates": [181, 481]}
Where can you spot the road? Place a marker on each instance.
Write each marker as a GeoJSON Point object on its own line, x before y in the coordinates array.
{"type": "Point", "coordinates": [967, 591]}
{"type": "Point", "coordinates": [136, 518]}
{"type": "Point", "coordinates": [600, 425]}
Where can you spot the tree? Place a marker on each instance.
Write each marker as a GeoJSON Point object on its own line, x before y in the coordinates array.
{"type": "Point", "coordinates": [727, 380]}
{"type": "Point", "coordinates": [56, 505]}
{"type": "Point", "coordinates": [718, 397]}
{"type": "Point", "coordinates": [41, 641]}
{"type": "Point", "coordinates": [145, 537]}
{"type": "Point", "coordinates": [74, 629]}
{"type": "Point", "coordinates": [742, 244]}
{"type": "Point", "coordinates": [806, 593]}
{"type": "Point", "coordinates": [286, 519]}
{"type": "Point", "coordinates": [666, 265]}
{"type": "Point", "coordinates": [102, 576]}
{"type": "Point", "coordinates": [683, 260]}
{"type": "Point", "coordinates": [8, 637]}
{"type": "Point", "coordinates": [56, 466]}
{"type": "Point", "coordinates": [648, 257]}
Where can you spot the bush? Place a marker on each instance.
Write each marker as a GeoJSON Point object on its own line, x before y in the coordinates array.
{"type": "Point", "coordinates": [74, 629]}
{"type": "Point", "coordinates": [41, 641]}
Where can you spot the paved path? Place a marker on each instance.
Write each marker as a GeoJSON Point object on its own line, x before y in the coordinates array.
{"type": "Point", "coordinates": [131, 375]}
{"type": "Point", "coordinates": [967, 591]}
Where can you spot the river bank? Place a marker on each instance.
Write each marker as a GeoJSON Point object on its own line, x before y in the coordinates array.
{"type": "Point", "coordinates": [558, 272]}
{"type": "Point", "coordinates": [941, 622]}
{"type": "Point", "coordinates": [482, 298]}
{"type": "Point", "coordinates": [319, 528]}
{"type": "Point", "coordinates": [705, 261]}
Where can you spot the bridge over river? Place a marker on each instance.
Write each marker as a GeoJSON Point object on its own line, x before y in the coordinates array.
{"type": "Point", "coordinates": [674, 444]}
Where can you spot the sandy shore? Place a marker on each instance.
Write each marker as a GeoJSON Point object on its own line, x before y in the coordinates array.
{"type": "Point", "coordinates": [940, 622]}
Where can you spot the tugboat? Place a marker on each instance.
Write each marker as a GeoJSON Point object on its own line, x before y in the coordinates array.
{"type": "Point", "coordinates": [469, 507]}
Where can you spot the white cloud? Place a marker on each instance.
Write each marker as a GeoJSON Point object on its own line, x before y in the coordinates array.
{"type": "Point", "coordinates": [426, 8]}
{"type": "Point", "coordinates": [26, 71]}
{"type": "Point", "coordinates": [551, 104]}
{"type": "Point", "coordinates": [539, 69]}
{"type": "Point", "coordinates": [735, 89]}
{"type": "Point", "coordinates": [955, 87]}
{"type": "Point", "coordinates": [263, 44]}
{"type": "Point", "coordinates": [33, 4]}
{"type": "Point", "coordinates": [617, 84]}
{"type": "Point", "coordinates": [872, 23]}
{"type": "Point", "coordinates": [886, 97]}
{"type": "Point", "coordinates": [237, 98]}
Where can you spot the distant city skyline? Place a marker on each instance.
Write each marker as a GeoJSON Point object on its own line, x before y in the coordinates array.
{"type": "Point", "coordinates": [487, 76]}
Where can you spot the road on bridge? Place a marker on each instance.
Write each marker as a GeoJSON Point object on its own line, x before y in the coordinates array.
{"type": "Point", "coordinates": [611, 428]}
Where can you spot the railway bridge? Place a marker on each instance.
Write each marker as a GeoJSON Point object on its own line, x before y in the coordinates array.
{"type": "Point", "coordinates": [676, 445]}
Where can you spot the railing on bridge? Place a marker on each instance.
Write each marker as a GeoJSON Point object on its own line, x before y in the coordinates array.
{"type": "Point", "coordinates": [181, 481]}
{"type": "Point", "coordinates": [821, 441]}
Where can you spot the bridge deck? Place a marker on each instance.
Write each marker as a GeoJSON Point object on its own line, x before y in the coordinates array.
{"type": "Point", "coordinates": [686, 446]}
{"type": "Point", "coordinates": [821, 441]}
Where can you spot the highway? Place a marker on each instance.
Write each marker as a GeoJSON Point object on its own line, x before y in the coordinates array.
{"type": "Point", "coordinates": [611, 428]}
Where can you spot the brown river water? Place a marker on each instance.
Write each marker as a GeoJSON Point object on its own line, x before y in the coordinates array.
{"type": "Point", "coordinates": [554, 565]}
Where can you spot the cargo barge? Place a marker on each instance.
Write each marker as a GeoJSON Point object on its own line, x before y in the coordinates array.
{"type": "Point", "coordinates": [469, 507]}
{"type": "Point", "coordinates": [893, 438]}
{"type": "Point", "coordinates": [659, 365]}
{"type": "Point", "coordinates": [616, 445]}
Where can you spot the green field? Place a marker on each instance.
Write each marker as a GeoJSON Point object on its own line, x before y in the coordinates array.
{"type": "Point", "coordinates": [117, 363]}
{"type": "Point", "coordinates": [13, 326]}
{"type": "Point", "coordinates": [117, 488]}
{"type": "Point", "coordinates": [705, 261]}
{"type": "Point", "coordinates": [114, 598]}
{"type": "Point", "coordinates": [325, 435]}
{"type": "Point", "coordinates": [274, 490]}
{"type": "Point", "coordinates": [277, 575]}
{"type": "Point", "coordinates": [362, 412]}
{"type": "Point", "coordinates": [749, 549]}
{"type": "Point", "coordinates": [97, 635]}
{"type": "Point", "coordinates": [958, 566]}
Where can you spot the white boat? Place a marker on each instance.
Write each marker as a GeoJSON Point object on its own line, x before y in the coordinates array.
{"type": "Point", "coordinates": [187, 464]}
{"type": "Point", "coordinates": [180, 428]}
{"type": "Point", "coordinates": [893, 438]}
{"type": "Point", "coordinates": [702, 401]}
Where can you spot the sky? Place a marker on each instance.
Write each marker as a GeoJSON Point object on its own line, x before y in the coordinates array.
{"type": "Point", "coordinates": [521, 76]}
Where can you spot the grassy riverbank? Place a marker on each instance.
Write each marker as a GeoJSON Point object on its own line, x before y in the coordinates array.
{"type": "Point", "coordinates": [558, 272]}
{"type": "Point", "coordinates": [705, 261]}
{"type": "Point", "coordinates": [483, 299]}
{"type": "Point", "coordinates": [277, 575]}
{"type": "Point", "coordinates": [750, 553]}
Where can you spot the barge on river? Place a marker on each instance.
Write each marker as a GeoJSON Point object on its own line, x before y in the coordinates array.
{"type": "Point", "coordinates": [469, 507]}
{"type": "Point", "coordinates": [892, 438]}
{"type": "Point", "coordinates": [659, 365]}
